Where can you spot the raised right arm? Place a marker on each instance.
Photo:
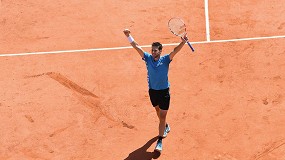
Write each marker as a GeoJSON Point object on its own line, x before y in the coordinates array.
{"type": "Point", "coordinates": [135, 45]}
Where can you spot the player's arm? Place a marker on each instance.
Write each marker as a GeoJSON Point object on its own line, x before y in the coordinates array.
{"type": "Point", "coordinates": [178, 48]}
{"type": "Point", "coordinates": [135, 45]}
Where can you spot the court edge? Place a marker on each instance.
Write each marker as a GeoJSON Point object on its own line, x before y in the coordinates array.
{"type": "Point", "coordinates": [144, 46]}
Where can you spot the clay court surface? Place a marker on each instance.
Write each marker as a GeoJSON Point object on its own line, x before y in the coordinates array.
{"type": "Point", "coordinates": [227, 98]}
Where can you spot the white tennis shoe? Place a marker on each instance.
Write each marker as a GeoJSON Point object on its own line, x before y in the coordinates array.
{"type": "Point", "coordinates": [158, 146]}
{"type": "Point", "coordinates": [166, 130]}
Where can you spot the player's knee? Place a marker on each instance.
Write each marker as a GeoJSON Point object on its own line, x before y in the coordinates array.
{"type": "Point", "coordinates": [162, 117]}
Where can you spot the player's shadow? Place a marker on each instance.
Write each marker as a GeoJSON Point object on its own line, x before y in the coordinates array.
{"type": "Point", "coordinates": [142, 153]}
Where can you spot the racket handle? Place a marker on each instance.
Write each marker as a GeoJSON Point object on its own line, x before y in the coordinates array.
{"type": "Point", "coordinates": [190, 46]}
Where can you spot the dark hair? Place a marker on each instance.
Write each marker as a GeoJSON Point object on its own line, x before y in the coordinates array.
{"type": "Point", "coordinates": [157, 44]}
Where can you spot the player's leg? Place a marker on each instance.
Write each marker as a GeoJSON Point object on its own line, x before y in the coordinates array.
{"type": "Point", "coordinates": [167, 127]}
{"type": "Point", "coordinates": [164, 106]}
{"type": "Point", "coordinates": [162, 121]}
{"type": "Point", "coordinates": [164, 101]}
{"type": "Point", "coordinates": [157, 109]}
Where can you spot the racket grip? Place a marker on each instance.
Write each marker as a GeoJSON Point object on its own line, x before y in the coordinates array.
{"type": "Point", "coordinates": [190, 46]}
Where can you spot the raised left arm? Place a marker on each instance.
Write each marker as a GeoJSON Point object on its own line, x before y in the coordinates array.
{"type": "Point", "coordinates": [178, 48]}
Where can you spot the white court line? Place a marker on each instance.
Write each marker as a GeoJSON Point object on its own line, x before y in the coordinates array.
{"type": "Point", "coordinates": [207, 21]}
{"type": "Point", "coordinates": [119, 48]}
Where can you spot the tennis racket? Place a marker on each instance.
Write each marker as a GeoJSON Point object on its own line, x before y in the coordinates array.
{"type": "Point", "coordinates": [178, 28]}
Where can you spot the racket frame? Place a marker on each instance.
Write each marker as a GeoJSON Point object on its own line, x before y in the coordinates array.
{"type": "Point", "coordinates": [180, 35]}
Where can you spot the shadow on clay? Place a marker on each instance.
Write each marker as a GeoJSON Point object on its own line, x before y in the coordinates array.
{"type": "Point", "coordinates": [142, 153]}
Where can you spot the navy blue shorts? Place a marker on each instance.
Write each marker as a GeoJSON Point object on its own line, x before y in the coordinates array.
{"type": "Point", "coordinates": [160, 98]}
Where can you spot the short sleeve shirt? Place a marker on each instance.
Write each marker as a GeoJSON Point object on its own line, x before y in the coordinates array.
{"type": "Point", "coordinates": [157, 71]}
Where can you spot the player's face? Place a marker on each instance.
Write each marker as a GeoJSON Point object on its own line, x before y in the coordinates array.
{"type": "Point", "coordinates": [155, 52]}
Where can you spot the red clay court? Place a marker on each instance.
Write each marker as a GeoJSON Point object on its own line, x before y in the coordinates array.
{"type": "Point", "coordinates": [73, 88]}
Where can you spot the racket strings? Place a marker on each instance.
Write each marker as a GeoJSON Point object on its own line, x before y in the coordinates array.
{"type": "Point", "coordinates": [177, 27]}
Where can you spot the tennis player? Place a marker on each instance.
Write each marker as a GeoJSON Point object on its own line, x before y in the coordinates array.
{"type": "Point", "coordinates": [157, 76]}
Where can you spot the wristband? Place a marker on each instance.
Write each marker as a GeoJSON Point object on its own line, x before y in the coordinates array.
{"type": "Point", "coordinates": [131, 39]}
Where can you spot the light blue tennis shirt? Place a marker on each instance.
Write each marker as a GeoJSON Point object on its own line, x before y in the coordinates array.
{"type": "Point", "coordinates": [157, 71]}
